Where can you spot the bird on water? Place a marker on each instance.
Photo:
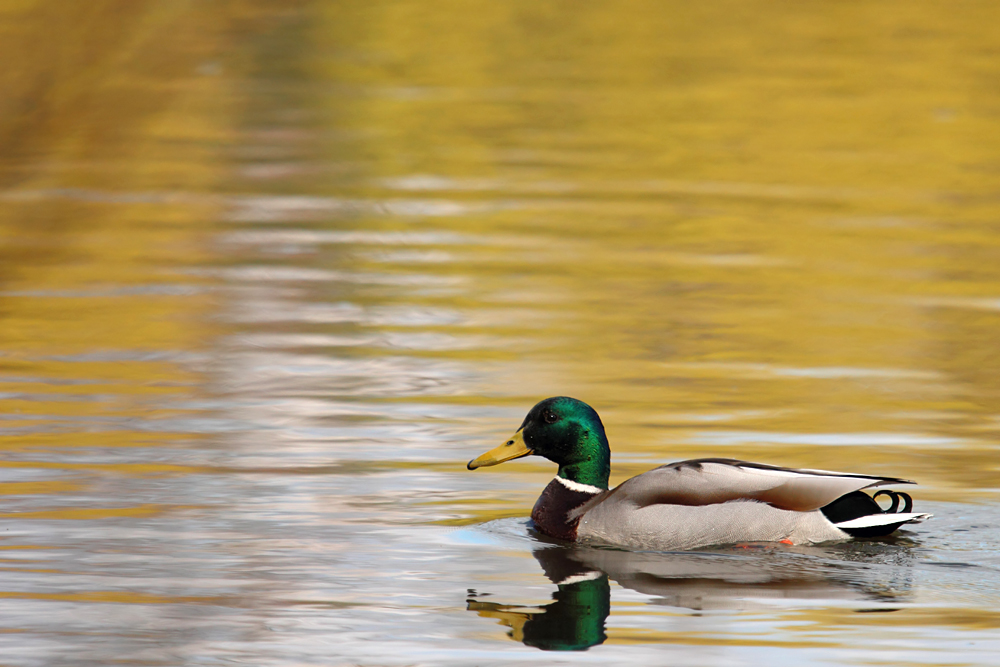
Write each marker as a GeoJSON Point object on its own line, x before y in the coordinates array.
{"type": "Point", "coordinates": [688, 504]}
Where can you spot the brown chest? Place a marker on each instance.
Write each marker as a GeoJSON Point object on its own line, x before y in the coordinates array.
{"type": "Point", "coordinates": [552, 509]}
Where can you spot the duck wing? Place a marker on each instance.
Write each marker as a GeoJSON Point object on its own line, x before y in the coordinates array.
{"type": "Point", "coordinates": [711, 481]}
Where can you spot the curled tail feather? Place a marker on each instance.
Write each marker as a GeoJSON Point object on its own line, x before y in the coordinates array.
{"type": "Point", "coordinates": [858, 515]}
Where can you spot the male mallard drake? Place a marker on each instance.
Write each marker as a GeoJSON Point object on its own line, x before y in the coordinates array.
{"type": "Point", "coordinates": [688, 504]}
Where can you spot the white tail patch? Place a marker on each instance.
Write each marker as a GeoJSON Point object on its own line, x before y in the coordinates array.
{"type": "Point", "coordinates": [883, 520]}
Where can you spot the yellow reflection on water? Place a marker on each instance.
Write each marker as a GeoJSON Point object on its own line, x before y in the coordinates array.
{"type": "Point", "coordinates": [754, 221]}
{"type": "Point", "coordinates": [102, 106]}
{"type": "Point", "coordinates": [812, 628]}
{"type": "Point", "coordinates": [89, 513]}
{"type": "Point", "coordinates": [353, 234]}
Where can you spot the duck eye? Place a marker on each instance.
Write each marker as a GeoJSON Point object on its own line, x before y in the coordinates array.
{"type": "Point", "coordinates": [550, 417]}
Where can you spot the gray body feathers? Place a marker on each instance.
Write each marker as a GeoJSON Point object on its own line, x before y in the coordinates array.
{"type": "Point", "coordinates": [721, 501]}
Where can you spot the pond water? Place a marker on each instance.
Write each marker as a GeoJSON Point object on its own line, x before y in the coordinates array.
{"type": "Point", "coordinates": [271, 273]}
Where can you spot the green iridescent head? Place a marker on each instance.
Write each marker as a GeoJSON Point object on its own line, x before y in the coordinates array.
{"type": "Point", "coordinates": [564, 430]}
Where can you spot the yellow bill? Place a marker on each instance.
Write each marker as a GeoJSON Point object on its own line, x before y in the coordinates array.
{"type": "Point", "coordinates": [512, 449]}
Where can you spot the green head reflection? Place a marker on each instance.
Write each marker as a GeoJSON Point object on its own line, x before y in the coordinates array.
{"type": "Point", "coordinates": [573, 621]}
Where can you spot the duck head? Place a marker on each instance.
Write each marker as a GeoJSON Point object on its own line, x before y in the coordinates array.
{"type": "Point", "coordinates": [567, 432]}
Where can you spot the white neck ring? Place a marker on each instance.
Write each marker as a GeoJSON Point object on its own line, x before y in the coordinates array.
{"type": "Point", "coordinates": [577, 486]}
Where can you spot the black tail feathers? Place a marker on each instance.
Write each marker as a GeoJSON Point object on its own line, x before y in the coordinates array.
{"type": "Point", "coordinates": [858, 504]}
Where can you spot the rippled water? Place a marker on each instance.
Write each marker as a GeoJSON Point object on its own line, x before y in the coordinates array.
{"type": "Point", "coordinates": [271, 273]}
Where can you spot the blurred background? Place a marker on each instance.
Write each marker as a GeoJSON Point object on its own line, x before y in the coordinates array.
{"type": "Point", "coordinates": [272, 272]}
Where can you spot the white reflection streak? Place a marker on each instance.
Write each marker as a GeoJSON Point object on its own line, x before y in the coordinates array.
{"type": "Point", "coordinates": [753, 370]}
{"type": "Point", "coordinates": [736, 438]}
{"type": "Point", "coordinates": [285, 208]}
{"type": "Point", "coordinates": [416, 340]}
{"type": "Point", "coordinates": [343, 313]}
{"type": "Point", "coordinates": [271, 373]}
{"type": "Point", "coordinates": [327, 237]}
{"type": "Point", "coordinates": [275, 274]}
{"type": "Point", "coordinates": [973, 303]}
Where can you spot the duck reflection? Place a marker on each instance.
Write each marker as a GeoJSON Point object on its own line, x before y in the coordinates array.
{"type": "Point", "coordinates": [878, 572]}
{"type": "Point", "coordinates": [574, 620]}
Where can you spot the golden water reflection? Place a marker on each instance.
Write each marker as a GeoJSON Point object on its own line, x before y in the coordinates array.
{"type": "Point", "coordinates": [270, 273]}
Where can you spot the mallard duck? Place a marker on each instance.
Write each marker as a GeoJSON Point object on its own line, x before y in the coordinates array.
{"type": "Point", "coordinates": [689, 504]}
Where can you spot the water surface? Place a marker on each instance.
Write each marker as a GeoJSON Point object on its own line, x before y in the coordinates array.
{"type": "Point", "coordinates": [271, 273]}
